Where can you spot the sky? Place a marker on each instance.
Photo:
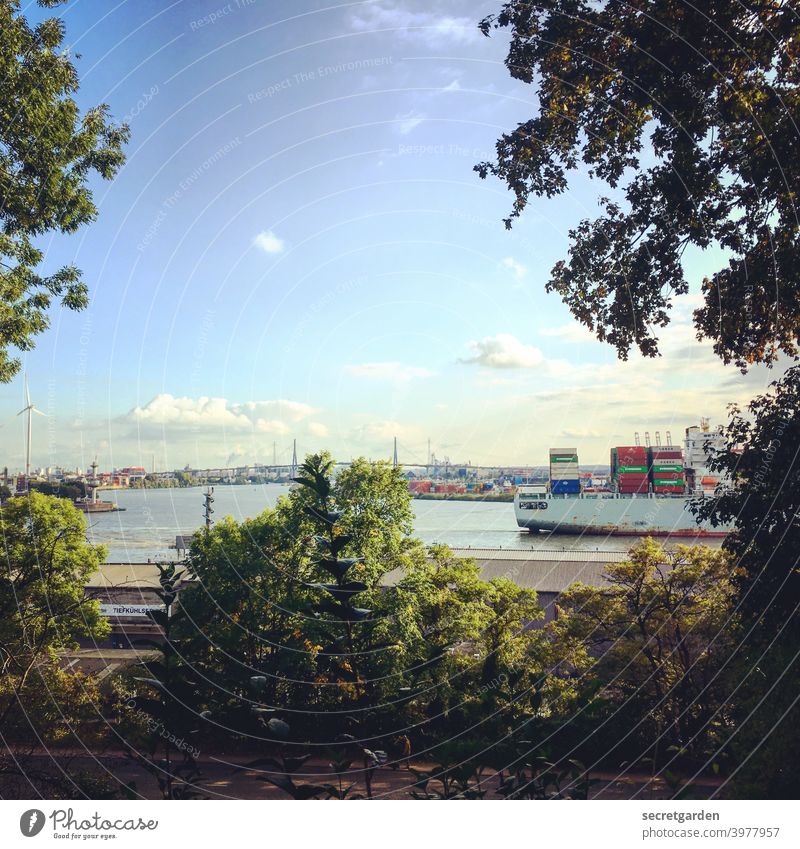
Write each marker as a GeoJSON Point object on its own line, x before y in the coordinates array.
{"type": "Point", "coordinates": [298, 248]}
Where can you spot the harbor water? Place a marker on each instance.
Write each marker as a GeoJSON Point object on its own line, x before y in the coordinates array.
{"type": "Point", "coordinates": [152, 518]}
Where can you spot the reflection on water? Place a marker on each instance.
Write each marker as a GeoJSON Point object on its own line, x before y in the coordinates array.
{"type": "Point", "coordinates": [153, 518]}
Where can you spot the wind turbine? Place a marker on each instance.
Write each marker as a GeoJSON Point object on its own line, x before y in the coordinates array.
{"type": "Point", "coordinates": [29, 409]}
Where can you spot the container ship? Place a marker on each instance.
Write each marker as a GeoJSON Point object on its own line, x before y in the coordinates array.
{"type": "Point", "coordinates": [647, 493]}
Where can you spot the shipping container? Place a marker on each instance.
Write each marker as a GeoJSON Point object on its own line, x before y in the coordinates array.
{"type": "Point", "coordinates": [565, 487]}
{"type": "Point", "coordinates": [625, 469]}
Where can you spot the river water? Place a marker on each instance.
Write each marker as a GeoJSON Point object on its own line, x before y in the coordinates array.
{"type": "Point", "coordinates": [152, 518]}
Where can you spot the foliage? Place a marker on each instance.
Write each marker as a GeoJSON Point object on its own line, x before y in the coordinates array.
{"type": "Point", "coordinates": [761, 460]}
{"type": "Point", "coordinates": [165, 705]}
{"type": "Point", "coordinates": [60, 490]}
{"type": "Point", "coordinates": [535, 777]}
{"type": "Point", "coordinates": [49, 153]}
{"type": "Point", "coordinates": [42, 603]}
{"type": "Point", "coordinates": [43, 609]}
{"type": "Point", "coordinates": [657, 637]}
{"type": "Point", "coordinates": [349, 624]}
{"type": "Point", "coordinates": [689, 114]}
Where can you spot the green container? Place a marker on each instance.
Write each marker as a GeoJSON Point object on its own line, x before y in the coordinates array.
{"type": "Point", "coordinates": [677, 468]}
{"type": "Point", "coordinates": [637, 469]}
{"type": "Point", "coordinates": [563, 458]}
{"type": "Point", "coordinates": [666, 482]}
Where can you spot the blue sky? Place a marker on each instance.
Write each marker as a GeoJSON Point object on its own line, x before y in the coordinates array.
{"type": "Point", "coordinates": [298, 248]}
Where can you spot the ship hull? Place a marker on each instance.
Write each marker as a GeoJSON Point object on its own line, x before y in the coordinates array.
{"type": "Point", "coordinates": [613, 514]}
{"type": "Point", "coordinates": [98, 507]}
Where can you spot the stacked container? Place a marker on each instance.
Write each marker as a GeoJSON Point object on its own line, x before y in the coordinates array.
{"type": "Point", "coordinates": [666, 470]}
{"type": "Point", "coordinates": [565, 477]}
{"type": "Point", "coordinates": [629, 468]}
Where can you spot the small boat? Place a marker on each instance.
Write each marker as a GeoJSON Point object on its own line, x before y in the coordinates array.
{"type": "Point", "coordinates": [89, 506]}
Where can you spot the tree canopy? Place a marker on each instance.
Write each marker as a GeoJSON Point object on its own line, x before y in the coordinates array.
{"type": "Point", "coordinates": [657, 637]}
{"type": "Point", "coordinates": [49, 152]}
{"type": "Point", "coordinates": [43, 609]}
{"type": "Point", "coordinates": [689, 114]}
{"type": "Point", "coordinates": [761, 458]}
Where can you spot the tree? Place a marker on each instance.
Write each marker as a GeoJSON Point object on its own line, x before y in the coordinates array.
{"type": "Point", "coordinates": [43, 609]}
{"type": "Point", "coordinates": [170, 717]}
{"type": "Point", "coordinates": [689, 114]}
{"type": "Point", "coordinates": [657, 637]}
{"type": "Point", "coordinates": [761, 463]}
{"type": "Point", "coordinates": [346, 620]}
{"type": "Point", "coordinates": [761, 460]}
{"type": "Point", "coordinates": [46, 561]}
{"type": "Point", "coordinates": [48, 154]}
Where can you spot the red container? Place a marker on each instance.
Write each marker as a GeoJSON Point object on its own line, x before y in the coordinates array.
{"type": "Point", "coordinates": [670, 489]}
{"type": "Point", "coordinates": [629, 477]}
{"type": "Point", "coordinates": [629, 489]}
{"type": "Point", "coordinates": [669, 476]}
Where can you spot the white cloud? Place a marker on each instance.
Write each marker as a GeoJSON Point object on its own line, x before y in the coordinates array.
{"type": "Point", "coordinates": [391, 372]}
{"type": "Point", "coordinates": [268, 242]}
{"type": "Point", "coordinates": [378, 435]}
{"type": "Point", "coordinates": [317, 429]}
{"type": "Point", "coordinates": [273, 426]}
{"type": "Point", "coordinates": [408, 25]}
{"type": "Point", "coordinates": [455, 85]}
{"type": "Point", "coordinates": [503, 351]}
{"type": "Point", "coordinates": [294, 411]}
{"type": "Point", "coordinates": [572, 331]}
{"type": "Point", "coordinates": [516, 268]}
{"type": "Point", "coordinates": [406, 123]}
{"type": "Point", "coordinates": [205, 413]}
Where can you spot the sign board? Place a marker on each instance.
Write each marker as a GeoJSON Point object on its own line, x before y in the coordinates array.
{"type": "Point", "coordinates": [128, 609]}
{"type": "Point", "coordinates": [183, 542]}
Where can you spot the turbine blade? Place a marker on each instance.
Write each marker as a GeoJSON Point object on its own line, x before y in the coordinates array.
{"type": "Point", "coordinates": [27, 392]}
{"type": "Point", "coordinates": [39, 412]}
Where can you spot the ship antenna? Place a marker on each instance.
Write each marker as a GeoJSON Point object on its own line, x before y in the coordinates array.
{"type": "Point", "coordinates": [669, 439]}
{"type": "Point", "coordinates": [658, 438]}
{"type": "Point", "coordinates": [636, 438]}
